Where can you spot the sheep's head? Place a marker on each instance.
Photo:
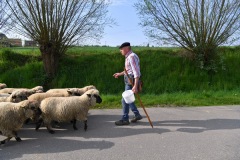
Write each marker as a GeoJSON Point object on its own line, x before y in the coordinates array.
{"type": "Point", "coordinates": [93, 94]}
{"type": "Point", "coordinates": [18, 96]}
{"type": "Point", "coordinates": [73, 92]}
{"type": "Point", "coordinates": [37, 89]}
{"type": "Point", "coordinates": [81, 91]}
{"type": "Point", "coordinates": [31, 109]}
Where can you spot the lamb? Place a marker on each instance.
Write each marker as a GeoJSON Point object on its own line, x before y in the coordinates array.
{"type": "Point", "coordinates": [13, 116]}
{"type": "Point", "coordinates": [15, 97]}
{"type": "Point", "coordinates": [2, 85]}
{"type": "Point", "coordinates": [78, 91]}
{"type": "Point", "coordinates": [36, 89]}
{"type": "Point", "coordinates": [65, 109]}
{"type": "Point", "coordinates": [40, 96]}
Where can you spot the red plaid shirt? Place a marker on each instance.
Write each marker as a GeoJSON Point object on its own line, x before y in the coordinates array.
{"type": "Point", "coordinates": [132, 64]}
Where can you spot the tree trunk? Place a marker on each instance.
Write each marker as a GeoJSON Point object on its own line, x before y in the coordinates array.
{"type": "Point", "coordinates": [50, 57]}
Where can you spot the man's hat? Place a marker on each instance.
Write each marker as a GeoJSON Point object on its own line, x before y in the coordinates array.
{"type": "Point", "coordinates": [125, 44]}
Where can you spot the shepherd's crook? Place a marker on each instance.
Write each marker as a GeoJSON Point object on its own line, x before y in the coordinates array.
{"type": "Point", "coordinates": [139, 99]}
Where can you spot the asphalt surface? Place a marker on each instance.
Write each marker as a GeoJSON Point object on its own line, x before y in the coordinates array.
{"type": "Point", "coordinates": [184, 133]}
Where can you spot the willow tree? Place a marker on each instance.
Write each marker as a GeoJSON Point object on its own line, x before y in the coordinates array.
{"type": "Point", "coordinates": [57, 24]}
{"type": "Point", "coordinates": [199, 26]}
{"type": "Point", "coordinates": [4, 15]}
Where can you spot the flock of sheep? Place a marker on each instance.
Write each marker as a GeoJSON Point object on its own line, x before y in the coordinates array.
{"type": "Point", "coordinates": [19, 105]}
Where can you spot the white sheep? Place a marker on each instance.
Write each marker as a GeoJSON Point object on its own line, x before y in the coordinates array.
{"type": "Point", "coordinates": [36, 89]}
{"type": "Point", "coordinates": [78, 91]}
{"type": "Point", "coordinates": [40, 96]}
{"type": "Point", "coordinates": [65, 109]}
{"type": "Point", "coordinates": [4, 95]}
{"type": "Point", "coordinates": [81, 91]}
{"type": "Point", "coordinates": [13, 116]}
{"type": "Point", "coordinates": [15, 97]}
{"type": "Point", "coordinates": [2, 85]}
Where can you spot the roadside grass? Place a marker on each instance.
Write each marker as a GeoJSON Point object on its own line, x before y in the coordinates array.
{"type": "Point", "coordinates": [178, 99]}
{"type": "Point", "coordinates": [170, 79]}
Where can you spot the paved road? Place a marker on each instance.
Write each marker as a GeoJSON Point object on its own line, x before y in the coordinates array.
{"type": "Point", "coordinates": [198, 133]}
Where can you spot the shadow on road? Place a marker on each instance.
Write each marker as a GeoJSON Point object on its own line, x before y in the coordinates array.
{"type": "Point", "coordinates": [197, 126]}
{"type": "Point", "coordinates": [101, 127]}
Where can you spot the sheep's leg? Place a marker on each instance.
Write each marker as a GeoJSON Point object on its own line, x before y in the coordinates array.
{"type": "Point", "coordinates": [39, 123]}
{"type": "Point", "coordinates": [5, 140]}
{"type": "Point", "coordinates": [47, 122]}
{"type": "Point", "coordinates": [85, 125]}
{"type": "Point", "coordinates": [74, 121]}
{"type": "Point", "coordinates": [50, 130]}
{"type": "Point", "coordinates": [49, 127]}
{"type": "Point", "coordinates": [27, 121]}
{"type": "Point", "coordinates": [18, 139]}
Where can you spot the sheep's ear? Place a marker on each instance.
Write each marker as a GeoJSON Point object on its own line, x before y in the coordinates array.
{"type": "Point", "coordinates": [89, 95]}
{"type": "Point", "coordinates": [69, 91]}
{"type": "Point", "coordinates": [25, 104]}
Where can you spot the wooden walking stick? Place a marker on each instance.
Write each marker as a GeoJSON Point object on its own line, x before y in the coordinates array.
{"type": "Point", "coordinates": [139, 99]}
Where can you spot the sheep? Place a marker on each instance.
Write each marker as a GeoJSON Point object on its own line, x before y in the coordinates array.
{"type": "Point", "coordinates": [13, 115]}
{"type": "Point", "coordinates": [36, 89]}
{"type": "Point", "coordinates": [65, 109]}
{"type": "Point", "coordinates": [2, 85]}
{"type": "Point", "coordinates": [79, 91]}
{"type": "Point", "coordinates": [40, 96]}
{"type": "Point", "coordinates": [15, 97]}
{"type": "Point", "coordinates": [4, 95]}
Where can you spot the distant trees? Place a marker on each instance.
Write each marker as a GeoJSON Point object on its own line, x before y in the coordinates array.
{"type": "Point", "coordinates": [57, 24]}
{"type": "Point", "coordinates": [199, 26]}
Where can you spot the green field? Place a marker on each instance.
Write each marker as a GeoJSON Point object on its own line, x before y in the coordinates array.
{"type": "Point", "coordinates": [170, 78]}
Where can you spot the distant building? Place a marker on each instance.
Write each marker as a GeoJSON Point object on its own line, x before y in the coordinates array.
{"type": "Point", "coordinates": [28, 43]}
{"type": "Point", "coordinates": [15, 42]}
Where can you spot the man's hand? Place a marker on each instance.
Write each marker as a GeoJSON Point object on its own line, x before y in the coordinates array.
{"type": "Point", "coordinates": [116, 75]}
{"type": "Point", "coordinates": [135, 89]}
{"type": "Point", "coordinates": [135, 85]}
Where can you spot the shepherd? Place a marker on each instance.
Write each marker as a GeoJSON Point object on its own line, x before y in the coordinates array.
{"type": "Point", "coordinates": [132, 67]}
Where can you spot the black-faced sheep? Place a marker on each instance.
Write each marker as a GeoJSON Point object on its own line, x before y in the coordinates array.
{"type": "Point", "coordinates": [15, 97]}
{"type": "Point", "coordinates": [13, 115]}
{"type": "Point", "coordinates": [65, 109]}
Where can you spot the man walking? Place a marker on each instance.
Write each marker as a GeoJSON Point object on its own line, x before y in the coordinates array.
{"type": "Point", "coordinates": [132, 66]}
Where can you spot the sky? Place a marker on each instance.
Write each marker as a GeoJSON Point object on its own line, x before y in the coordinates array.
{"type": "Point", "coordinates": [127, 29]}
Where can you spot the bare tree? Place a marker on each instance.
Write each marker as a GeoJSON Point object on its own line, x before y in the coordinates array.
{"type": "Point", "coordinates": [199, 26]}
{"type": "Point", "coordinates": [4, 15]}
{"type": "Point", "coordinates": [57, 24]}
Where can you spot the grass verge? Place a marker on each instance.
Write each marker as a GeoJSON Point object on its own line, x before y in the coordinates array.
{"type": "Point", "coordinates": [178, 99]}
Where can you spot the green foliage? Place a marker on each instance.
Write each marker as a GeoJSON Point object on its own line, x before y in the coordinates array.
{"type": "Point", "coordinates": [20, 70]}
{"type": "Point", "coordinates": [170, 78]}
